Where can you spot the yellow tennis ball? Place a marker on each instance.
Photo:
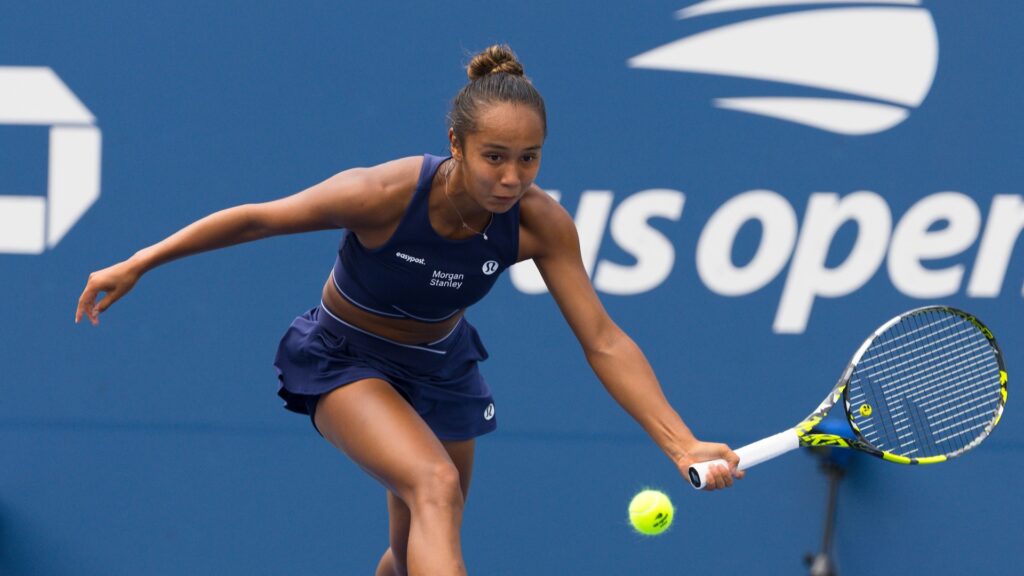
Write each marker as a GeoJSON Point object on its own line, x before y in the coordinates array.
{"type": "Point", "coordinates": [651, 512]}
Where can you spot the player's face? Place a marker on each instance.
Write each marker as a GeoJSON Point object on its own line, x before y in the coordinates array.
{"type": "Point", "coordinates": [500, 160]}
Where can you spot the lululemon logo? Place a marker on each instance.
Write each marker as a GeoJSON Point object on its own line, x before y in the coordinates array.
{"type": "Point", "coordinates": [489, 412]}
{"type": "Point", "coordinates": [33, 96]}
{"type": "Point", "coordinates": [490, 267]}
{"type": "Point", "coordinates": [880, 59]}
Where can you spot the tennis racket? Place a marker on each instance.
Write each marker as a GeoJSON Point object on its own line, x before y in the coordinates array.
{"type": "Point", "coordinates": [927, 386]}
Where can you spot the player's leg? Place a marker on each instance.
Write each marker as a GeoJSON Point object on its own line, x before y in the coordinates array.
{"type": "Point", "coordinates": [371, 423]}
{"type": "Point", "coordinates": [393, 563]}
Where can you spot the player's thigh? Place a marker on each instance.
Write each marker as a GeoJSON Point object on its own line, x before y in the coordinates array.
{"type": "Point", "coordinates": [373, 424]}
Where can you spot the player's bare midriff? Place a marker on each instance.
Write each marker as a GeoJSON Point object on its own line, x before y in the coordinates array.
{"type": "Point", "coordinates": [402, 330]}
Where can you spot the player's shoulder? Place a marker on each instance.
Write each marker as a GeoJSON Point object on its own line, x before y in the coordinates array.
{"type": "Point", "coordinates": [393, 179]}
{"type": "Point", "coordinates": [545, 226]}
{"type": "Point", "coordinates": [384, 190]}
{"type": "Point", "coordinates": [540, 212]}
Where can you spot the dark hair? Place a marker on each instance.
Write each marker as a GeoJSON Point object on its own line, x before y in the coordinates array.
{"type": "Point", "coordinates": [495, 75]}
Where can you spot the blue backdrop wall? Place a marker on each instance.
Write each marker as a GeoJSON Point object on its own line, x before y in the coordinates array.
{"type": "Point", "coordinates": [756, 189]}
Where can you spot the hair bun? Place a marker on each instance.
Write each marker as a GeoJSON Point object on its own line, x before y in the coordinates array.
{"type": "Point", "coordinates": [493, 60]}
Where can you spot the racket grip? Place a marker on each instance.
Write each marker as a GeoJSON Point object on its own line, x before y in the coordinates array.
{"type": "Point", "coordinates": [750, 455]}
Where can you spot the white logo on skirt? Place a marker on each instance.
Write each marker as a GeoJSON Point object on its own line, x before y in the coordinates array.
{"type": "Point", "coordinates": [489, 411]}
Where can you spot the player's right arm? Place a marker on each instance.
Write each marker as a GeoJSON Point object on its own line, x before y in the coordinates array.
{"type": "Point", "coordinates": [357, 199]}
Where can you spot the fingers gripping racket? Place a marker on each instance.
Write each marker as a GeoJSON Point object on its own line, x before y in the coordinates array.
{"type": "Point", "coordinates": [928, 385]}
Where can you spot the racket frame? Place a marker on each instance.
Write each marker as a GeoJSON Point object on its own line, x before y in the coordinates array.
{"type": "Point", "coordinates": [808, 434]}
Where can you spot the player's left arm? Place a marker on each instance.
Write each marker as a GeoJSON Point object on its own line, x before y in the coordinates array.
{"type": "Point", "coordinates": [549, 237]}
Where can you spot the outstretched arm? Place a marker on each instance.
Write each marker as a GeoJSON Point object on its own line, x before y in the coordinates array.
{"type": "Point", "coordinates": [616, 360]}
{"type": "Point", "coordinates": [353, 199]}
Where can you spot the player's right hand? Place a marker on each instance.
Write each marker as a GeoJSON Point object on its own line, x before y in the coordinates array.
{"type": "Point", "coordinates": [114, 282]}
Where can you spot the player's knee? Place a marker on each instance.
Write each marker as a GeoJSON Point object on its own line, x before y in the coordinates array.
{"type": "Point", "coordinates": [438, 487]}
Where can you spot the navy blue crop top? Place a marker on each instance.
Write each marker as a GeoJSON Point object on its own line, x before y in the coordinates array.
{"type": "Point", "coordinates": [418, 273]}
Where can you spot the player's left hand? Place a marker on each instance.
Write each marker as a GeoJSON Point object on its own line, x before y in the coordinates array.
{"type": "Point", "coordinates": [718, 476]}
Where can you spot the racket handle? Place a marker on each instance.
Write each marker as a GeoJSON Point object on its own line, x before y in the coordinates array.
{"type": "Point", "coordinates": [750, 455]}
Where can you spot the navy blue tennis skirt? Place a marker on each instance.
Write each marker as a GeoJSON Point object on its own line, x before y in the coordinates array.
{"type": "Point", "coordinates": [441, 381]}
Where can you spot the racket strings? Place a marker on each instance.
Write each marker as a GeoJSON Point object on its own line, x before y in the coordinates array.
{"type": "Point", "coordinates": [944, 431]}
{"type": "Point", "coordinates": [892, 365]}
{"type": "Point", "coordinates": [909, 359]}
{"type": "Point", "coordinates": [931, 383]}
{"type": "Point", "coordinates": [969, 411]}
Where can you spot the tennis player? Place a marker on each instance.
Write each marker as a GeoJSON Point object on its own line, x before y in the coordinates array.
{"type": "Point", "coordinates": [386, 364]}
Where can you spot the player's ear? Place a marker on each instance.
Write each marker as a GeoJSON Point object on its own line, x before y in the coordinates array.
{"type": "Point", "coordinates": [453, 144]}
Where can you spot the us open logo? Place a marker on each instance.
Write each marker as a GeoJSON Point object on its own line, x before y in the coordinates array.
{"type": "Point", "coordinates": [36, 96]}
{"type": "Point", "coordinates": [874, 64]}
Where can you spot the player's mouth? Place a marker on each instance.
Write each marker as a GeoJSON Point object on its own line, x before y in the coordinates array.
{"type": "Point", "coordinates": [505, 199]}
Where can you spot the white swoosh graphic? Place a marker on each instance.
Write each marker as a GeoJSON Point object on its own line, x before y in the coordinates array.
{"type": "Point", "coordinates": [885, 53]}
{"type": "Point", "coordinates": [850, 117]}
{"type": "Point", "coordinates": [715, 6]}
